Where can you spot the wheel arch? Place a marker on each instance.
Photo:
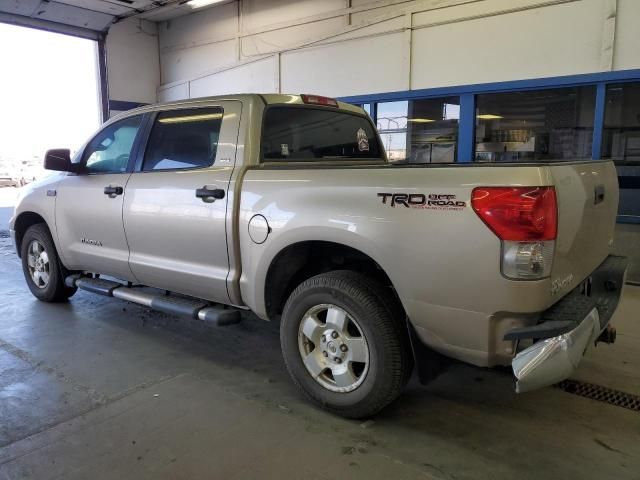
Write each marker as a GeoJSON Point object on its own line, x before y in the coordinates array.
{"type": "Point", "coordinates": [299, 261]}
{"type": "Point", "coordinates": [22, 222]}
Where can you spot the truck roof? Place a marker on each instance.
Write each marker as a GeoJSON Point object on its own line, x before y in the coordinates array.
{"type": "Point", "coordinates": [266, 98]}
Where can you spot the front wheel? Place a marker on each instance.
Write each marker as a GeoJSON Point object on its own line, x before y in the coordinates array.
{"type": "Point", "coordinates": [344, 344]}
{"type": "Point", "coordinates": [42, 269]}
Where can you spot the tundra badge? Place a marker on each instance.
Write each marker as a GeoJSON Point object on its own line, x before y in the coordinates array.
{"type": "Point", "coordinates": [95, 243]}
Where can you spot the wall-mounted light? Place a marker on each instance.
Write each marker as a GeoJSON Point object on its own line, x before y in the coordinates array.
{"type": "Point", "coordinates": [202, 3]}
{"type": "Point", "coordinates": [489, 116]}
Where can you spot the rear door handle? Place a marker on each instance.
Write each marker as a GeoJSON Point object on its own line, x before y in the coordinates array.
{"type": "Point", "coordinates": [113, 191]}
{"type": "Point", "coordinates": [210, 195]}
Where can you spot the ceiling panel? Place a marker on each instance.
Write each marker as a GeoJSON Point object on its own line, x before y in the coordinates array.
{"type": "Point", "coordinates": [19, 7]}
{"type": "Point", "coordinates": [112, 7]}
{"type": "Point", "coordinates": [168, 12]}
{"type": "Point", "coordinates": [69, 15]}
{"type": "Point", "coordinates": [94, 14]}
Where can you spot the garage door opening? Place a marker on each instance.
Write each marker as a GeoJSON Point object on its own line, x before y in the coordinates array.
{"type": "Point", "coordinates": [49, 95]}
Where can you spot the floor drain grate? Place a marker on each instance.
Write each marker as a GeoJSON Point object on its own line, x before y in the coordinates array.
{"type": "Point", "coordinates": [602, 394]}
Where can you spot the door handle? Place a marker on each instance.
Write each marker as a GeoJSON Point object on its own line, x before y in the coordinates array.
{"type": "Point", "coordinates": [113, 191]}
{"type": "Point", "coordinates": [210, 195]}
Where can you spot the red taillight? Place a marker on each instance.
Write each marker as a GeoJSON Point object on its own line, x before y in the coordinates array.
{"type": "Point", "coordinates": [318, 100]}
{"type": "Point", "coordinates": [518, 213]}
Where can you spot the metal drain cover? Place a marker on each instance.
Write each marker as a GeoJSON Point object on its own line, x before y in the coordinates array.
{"type": "Point", "coordinates": [602, 394]}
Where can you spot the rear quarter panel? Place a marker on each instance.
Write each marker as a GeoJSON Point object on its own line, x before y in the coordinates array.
{"type": "Point", "coordinates": [444, 264]}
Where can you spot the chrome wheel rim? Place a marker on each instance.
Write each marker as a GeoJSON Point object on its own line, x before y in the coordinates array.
{"type": "Point", "coordinates": [38, 264]}
{"type": "Point", "coordinates": [333, 348]}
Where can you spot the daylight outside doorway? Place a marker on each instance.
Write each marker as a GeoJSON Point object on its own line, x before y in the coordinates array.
{"type": "Point", "coordinates": [50, 97]}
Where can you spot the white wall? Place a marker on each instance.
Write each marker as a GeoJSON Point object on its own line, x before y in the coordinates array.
{"type": "Point", "coordinates": [342, 47]}
{"type": "Point", "coordinates": [523, 44]}
{"type": "Point", "coordinates": [133, 68]}
{"type": "Point", "coordinates": [627, 38]}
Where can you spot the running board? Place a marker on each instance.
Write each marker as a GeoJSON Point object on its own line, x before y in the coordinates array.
{"type": "Point", "coordinates": [197, 309]}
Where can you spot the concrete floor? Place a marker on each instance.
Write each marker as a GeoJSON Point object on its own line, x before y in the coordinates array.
{"type": "Point", "coordinates": [97, 388]}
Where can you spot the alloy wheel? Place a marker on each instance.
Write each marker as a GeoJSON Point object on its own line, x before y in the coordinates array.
{"type": "Point", "coordinates": [333, 348]}
{"type": "Point", "coordinates": [38, 264]}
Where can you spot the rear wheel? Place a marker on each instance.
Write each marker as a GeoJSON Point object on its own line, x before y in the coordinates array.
{"type": "Point", "coordinates": [344, 343]}
{"type": "Point", "coordinates": [41, 266]}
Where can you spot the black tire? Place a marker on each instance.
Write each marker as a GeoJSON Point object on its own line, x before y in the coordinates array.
{"type": "Point", "coordinates": [382, 324]}
{"type": "Point", "coordinates": [55, 290]}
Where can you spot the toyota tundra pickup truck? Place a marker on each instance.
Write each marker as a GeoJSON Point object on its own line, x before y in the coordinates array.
{"type": "Point", "coordinates": [286, 205]}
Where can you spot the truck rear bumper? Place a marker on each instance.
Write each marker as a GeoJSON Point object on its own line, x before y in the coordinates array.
{"type": "Point", "coordinates": [554, 359]}
{"type": "Point", "coordinates": [561, 339]}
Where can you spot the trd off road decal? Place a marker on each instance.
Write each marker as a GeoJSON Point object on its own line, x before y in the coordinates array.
{"type": "Point", "coordinates": [432, 201]}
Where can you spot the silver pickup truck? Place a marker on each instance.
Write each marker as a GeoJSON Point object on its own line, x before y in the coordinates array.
{"type": "Point", "coordinates": [286, 205]}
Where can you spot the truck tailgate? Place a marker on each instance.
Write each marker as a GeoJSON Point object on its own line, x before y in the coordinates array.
{"type": "Point", "coordinates": [587, 194]}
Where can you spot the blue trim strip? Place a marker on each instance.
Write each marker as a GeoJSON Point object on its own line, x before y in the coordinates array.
{"type": "Point", "coordinates": [598, 121]}
{"type": "Point", "coordinates": [122, 105]}
{"type": "Point", "coordinates": [515, 85]}
{"type": "Point", "coordinates": [628, 219]}
{"type": "Point", "coordinates": [466, 128]}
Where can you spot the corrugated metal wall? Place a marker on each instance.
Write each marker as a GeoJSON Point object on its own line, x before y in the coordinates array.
{"type": "Point", "coordinates": [343, 48]}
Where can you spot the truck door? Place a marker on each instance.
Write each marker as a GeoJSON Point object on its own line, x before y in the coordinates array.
{"type": "Point", "coordinates": [89, 204]}
{"type": "Point", "coordinates": [176, 202]}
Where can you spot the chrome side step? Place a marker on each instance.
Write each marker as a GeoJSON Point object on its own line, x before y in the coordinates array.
{"type": "Point", "coordinates": [217, 315]}
{"type": "Point", "coordinates": [134, 296]}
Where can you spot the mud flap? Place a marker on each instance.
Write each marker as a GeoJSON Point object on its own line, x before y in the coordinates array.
{"type": "Point", "coordinates": [429, 363]}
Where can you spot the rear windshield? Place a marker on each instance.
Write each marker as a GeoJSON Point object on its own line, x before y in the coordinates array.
{"type": "Point", "coordinates": [308, 134]}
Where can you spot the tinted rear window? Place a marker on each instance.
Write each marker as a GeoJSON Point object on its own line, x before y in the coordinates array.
{"type": "Point", "coordinates": [308, 134]}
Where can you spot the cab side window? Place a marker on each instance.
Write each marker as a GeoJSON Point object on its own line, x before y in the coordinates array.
{"type": "Point", "coordinates": [109, 150]}
{"type": "Point", "coordinates": [183, 139]}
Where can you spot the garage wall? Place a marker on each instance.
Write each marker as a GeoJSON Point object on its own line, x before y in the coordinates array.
{"type": "Point", "coordinates": [343, 48]}
{"type": "Point", "coordinates": [132, 63]}
{"type": "Point", "coordinates": [627, 36]}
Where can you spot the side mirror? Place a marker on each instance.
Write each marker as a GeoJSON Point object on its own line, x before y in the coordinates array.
{"type": "Point", "coordinates": [59, 159]}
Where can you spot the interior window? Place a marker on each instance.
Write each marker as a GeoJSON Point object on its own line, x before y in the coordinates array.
{"type": "Point", "coordinates": [551, 124]}
{"type": "Point", "coordinates": [184, 139]}
{"type": "Point", "coordinates": [392, 127]}
{"type": "Point", "coordinates": [109, 150]}
{"type": "Point", "coordinates": [420, 131]}
{"type": "Point", "coordinates": [621, 142]}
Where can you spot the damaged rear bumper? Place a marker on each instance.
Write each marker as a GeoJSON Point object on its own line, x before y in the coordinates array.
{"type": "Point", "coordinates": [568, 328]}
{"type": "Point", "coordinates": [554, 359]}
